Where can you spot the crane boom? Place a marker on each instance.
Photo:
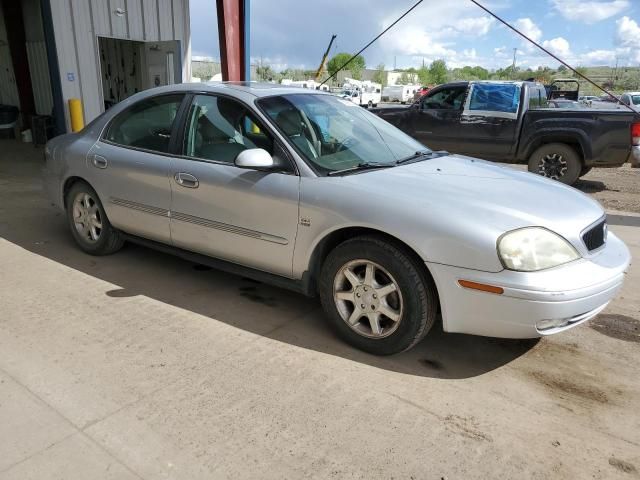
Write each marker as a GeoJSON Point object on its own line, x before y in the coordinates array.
{"type": "Point", "coordinates": [323, 63]}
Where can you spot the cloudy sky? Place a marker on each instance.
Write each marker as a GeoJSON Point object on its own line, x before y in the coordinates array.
{"type": "Point", "coordinates": [294, 33]}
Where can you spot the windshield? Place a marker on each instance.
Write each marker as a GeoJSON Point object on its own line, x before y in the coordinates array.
{"type": "Point", "coordinates": [635, 99]}
{"type": "Point", "coordinates": [334, 134]}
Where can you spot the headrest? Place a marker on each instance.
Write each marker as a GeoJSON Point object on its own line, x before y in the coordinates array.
{"type": "Point", "coordinates": [290, 121]}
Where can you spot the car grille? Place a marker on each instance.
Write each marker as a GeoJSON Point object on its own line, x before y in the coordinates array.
{"type": "Point", "coordinates": [595, 236]}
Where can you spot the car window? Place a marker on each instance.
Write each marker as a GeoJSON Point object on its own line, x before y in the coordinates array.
{"type": "Point", "coordinates": [538, 98]}
{"type": "Point", "coordinates": [219, 128]}
{"type": "Point", "coordinates": [494, 97]}
{"type": "Point", "coordinates": [445, 99]}
{"type": "Point", "coordinates": [332, 133]}
{"type": "Point", "coordinates": [147, 124]}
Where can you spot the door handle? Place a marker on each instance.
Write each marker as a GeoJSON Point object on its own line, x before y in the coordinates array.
{"type": "Point", "coordinates": [99, 161]}
{"type": "Point", "coordinates": [186, 180]}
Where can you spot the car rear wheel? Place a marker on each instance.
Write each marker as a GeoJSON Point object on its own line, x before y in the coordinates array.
{"type": "Point", "coordinates": [88, 222]}
{"type": "Point", "coordinates": [556, 161]}
{"type": "Point", "coordinates": [376, 297]}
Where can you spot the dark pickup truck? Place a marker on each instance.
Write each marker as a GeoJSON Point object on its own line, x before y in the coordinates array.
{"type": "Point", "coordinates": [511, 122]}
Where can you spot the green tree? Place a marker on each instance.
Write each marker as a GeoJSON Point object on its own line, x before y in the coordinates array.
{"type": "Point", "coordinates": [264, 72]}
{"type": "Point", "coordinates": [339, 59]}
{"type": "Point", "coordinates": [424, 77]}
{"type": "Point", "coordinates": [438, 71]}
{"type": "Point", "coordinates": [404, 79]}
{"type": "Point", "coordinates": [380, 76]}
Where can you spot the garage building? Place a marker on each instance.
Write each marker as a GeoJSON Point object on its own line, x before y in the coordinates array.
{"type": "Point", "coordinates": [99, 51]}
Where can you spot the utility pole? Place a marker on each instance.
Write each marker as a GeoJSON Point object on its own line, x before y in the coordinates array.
{"type": "Point", "coordinates": [394, 62]}
{"type": "Point", "coordinates": [515, 51]}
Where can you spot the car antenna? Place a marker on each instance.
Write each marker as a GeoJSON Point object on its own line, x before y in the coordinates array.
{"type": "Point", "coordinates": [507, 24]}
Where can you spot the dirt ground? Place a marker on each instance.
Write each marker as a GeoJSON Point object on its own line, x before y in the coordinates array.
{"type": "Point", "coordinates": [614, 188]}
{"type": "Point", "coordinates": [140, 365]}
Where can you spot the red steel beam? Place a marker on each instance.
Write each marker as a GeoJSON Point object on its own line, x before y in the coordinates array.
{"type": "Point", "coordinates": [231, 33]}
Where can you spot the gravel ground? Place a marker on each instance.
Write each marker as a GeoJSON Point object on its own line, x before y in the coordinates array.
{"type": "Point", "coordinates": [614, 188]}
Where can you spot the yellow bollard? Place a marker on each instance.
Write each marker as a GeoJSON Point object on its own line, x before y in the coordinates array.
{"type": "Point", "coordinates": [75, 114]}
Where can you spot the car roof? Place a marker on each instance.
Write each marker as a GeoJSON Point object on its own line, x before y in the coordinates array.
{"type": "Point", "coordinates": [256, 89]}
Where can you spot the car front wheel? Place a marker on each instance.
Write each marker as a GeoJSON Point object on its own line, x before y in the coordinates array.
{"type": "Point", "coordinates": [88, 222]}
{"type": "Point", "coordinates": [376, 297]}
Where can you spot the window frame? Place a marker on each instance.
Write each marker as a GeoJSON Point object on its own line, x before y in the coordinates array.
{"type": "Point", "coordinates": [434, 92]}
{"type": "Point", "coordinates": [105, 131]}
{"type": "Point", "coordinates": [183, 123]}
{"type": "Point", "coordinates": [495, 113]}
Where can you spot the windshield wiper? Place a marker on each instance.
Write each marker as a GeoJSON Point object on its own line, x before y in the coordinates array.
{"type": "Point", "coordinates": [362, 166]}
{"type": "Point", "coordinates": [415, 156]}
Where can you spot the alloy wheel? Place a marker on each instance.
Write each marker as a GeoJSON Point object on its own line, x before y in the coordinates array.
{"type": "Point", "coordinates": [368, 298]}
{"type": "Point", "coordinates": [86, 217]}
{"type": "Point", "coordinates": [552, 165]}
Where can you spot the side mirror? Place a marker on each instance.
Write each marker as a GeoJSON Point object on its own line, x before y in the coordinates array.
{"type": "Point", "coordinates": [255, 158]}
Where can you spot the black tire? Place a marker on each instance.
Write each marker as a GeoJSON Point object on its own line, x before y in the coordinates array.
{"type": "Point", "coordinates": [557, 161]}
{"type": "Point", "coordinates": [370, 104]}
{"type": "Point", "coordinates": [418, 294]}
{"type": "Point", "coordinates": [585, 170]}
{"type": "Point", "coordinates": [109, 239]}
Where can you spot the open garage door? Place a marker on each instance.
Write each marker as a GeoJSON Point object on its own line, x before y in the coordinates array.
{"type": "Point", "coordinates": [128, 67]}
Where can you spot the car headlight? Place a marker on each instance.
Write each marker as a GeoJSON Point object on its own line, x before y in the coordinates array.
{"type": "Point", "coordinates": [534, 248]}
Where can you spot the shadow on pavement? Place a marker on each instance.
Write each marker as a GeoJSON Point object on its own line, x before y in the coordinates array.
{"type": "Point", "coordinates": [27, 220]}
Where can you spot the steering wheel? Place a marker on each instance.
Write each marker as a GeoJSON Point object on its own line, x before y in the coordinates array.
{"type": "Point", "coordinates": [346, 144]}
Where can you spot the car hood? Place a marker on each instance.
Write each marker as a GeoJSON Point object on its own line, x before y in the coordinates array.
{"type": "Point", "coordinates": [457, 201]}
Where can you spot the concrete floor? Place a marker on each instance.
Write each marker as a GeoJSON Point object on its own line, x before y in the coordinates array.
{"type": "Point", "coordinates": [141, 365]}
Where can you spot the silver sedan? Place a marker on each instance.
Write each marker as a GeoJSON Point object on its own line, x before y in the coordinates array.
{"type": "Point", "coordinates": [308, 191]}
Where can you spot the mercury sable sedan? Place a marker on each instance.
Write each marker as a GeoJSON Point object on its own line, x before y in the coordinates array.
{"type": "Point", "coordinates": [305, 190]}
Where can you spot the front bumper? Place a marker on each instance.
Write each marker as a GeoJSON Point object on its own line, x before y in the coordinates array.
{"type": "Point", "coordinates": [533, 303]}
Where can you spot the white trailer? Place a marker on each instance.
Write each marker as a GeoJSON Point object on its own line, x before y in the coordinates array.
{"type": "Point", "coordinates": [364, 93]}
{"type": "Point", "coordinates": [399, 93]}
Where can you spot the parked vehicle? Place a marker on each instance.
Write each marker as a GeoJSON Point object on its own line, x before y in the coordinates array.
{"type": "Point", "coordinates": [422, 91]}
{"type": "Point", "coordinates": [399, 93]}
{"type": "Point", "coordinates": [364, 93]}
{"type": "Point", "coordinates": [303, 189]}
{"type": "Point", "coordinates": [510, 122]}
{"type": "Point", "coordinates": [631, 98]}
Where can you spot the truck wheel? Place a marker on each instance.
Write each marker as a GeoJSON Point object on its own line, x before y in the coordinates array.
{"type": "Point", "coordinates": [370, 104]}
{"type": "Point", "coordinates": [88, 222]}
{"type": "Point", "coordinates": [376, 297]}
{"type": "Point", "coordinates": [557, 161]}
{"type": "Point", "coordinates": [585, 170]}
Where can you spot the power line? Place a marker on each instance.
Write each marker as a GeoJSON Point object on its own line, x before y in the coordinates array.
{"type": "Point", "coordinates": [507, 24]}
{"type": "Point", "coordinates": [369, 44]}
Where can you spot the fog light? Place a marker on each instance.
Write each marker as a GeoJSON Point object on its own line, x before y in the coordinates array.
{"type": "Point", "coordinates": [554, 323]}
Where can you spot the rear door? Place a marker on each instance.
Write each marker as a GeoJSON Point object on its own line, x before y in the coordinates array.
{"type": "Point", "coordinates": [130, 167]}
{"type": "Point", "coordinates": [248, 217]}
{"type": "Point", "coordinates": [436, 119]}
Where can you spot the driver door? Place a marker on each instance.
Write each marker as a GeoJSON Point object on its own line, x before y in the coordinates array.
{"type": "Point", "coordinates": [244, 216]}
{"type": "Point", "coordinates": [437, 118]}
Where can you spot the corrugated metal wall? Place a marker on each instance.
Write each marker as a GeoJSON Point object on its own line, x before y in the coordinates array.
{"type": "Point", "coordinates": [8, 89]}
{"type": "Point", "coordinates": [78, 23]}
{"type": "Point", "coordinates": [39, 70]}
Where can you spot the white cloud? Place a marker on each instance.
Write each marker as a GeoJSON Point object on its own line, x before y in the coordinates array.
{"type": "Point", "coordinates": [475, 25]}
{"type": "Point", "coordinates": [597, 57]}
{"type": "Point", "coordinates": [558, 46]}
{"type": "Point", "coordinates": [628, 33]}
{"type": "Point", "coordinates": [529, 28]}
{"type": "Point", "coordinates": [440, 31]}
{"type": "Point", "coordinates": [589, 11]}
